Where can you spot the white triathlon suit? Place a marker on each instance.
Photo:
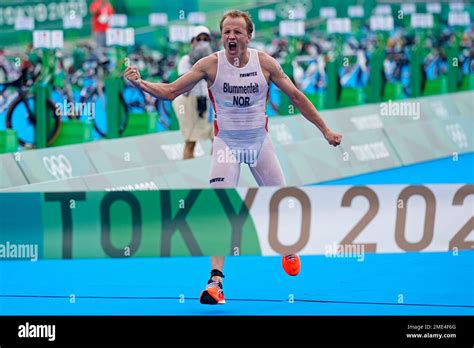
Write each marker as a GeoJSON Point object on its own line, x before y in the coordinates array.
{"type": "Point", "coordinates": [239, 97]}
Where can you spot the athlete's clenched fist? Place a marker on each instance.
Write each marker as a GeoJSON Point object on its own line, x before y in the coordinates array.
{"type": "Point", "coordinates": [132, 74]}
{"type": "Point", "coordinates": [333, 138]}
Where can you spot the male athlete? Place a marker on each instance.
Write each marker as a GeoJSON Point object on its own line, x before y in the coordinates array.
{"type": "Point", "coordinates": [238, 81]}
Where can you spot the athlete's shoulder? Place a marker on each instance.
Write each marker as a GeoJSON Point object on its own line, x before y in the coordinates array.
{"type": "Point", "coordinates": [209, 60]}
{"type": "Point", "coordinates": [263, 55]}
{"type": "Point", "coordinates": [267, 62]}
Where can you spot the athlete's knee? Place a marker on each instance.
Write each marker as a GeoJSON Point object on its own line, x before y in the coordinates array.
{"type": "Point", "coordinates": [274, 182]}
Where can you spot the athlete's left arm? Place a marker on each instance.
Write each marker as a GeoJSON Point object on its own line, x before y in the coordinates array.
{"type": "Point", "coordinates": [298, 99]}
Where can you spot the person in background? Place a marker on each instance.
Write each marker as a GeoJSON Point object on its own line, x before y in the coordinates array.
{"type": "Point", "coordinates": [101, 10]}
{"type": "Point", "coordinates": [192, 108]}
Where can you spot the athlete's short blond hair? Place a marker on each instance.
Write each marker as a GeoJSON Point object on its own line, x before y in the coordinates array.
{"type": "Point", "coordinates": [237, 14]}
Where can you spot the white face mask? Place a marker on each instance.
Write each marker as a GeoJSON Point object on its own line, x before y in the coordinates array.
{"type": "Point", "coordinates": [200, 50]}
{"type": "Point", "coordinates": [201, 44]}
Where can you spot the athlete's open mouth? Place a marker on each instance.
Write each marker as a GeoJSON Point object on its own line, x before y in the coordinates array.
{"type": "Point", "coordinates": [232, 46]}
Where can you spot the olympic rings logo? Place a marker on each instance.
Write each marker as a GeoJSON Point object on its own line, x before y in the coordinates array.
{"type": "Point", "coordinates": [58, 166]}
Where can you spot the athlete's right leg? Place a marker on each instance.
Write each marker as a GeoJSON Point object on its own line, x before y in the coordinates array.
{"type": "Point", "coordinates": [225, 169]}
{"type": "Point", "coordinates": [225, 172]}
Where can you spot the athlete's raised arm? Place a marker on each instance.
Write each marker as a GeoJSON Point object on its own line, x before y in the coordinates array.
{"type": "Point", "coordinates": [170, 90]}
{"type": "Point", "coordinates": [298, 99]}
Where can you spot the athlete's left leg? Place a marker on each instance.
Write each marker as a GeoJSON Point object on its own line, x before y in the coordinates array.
{"type": "Point", "coordinates": [266, 169]}
{"type": "Point", "coordinates": [267, 172]}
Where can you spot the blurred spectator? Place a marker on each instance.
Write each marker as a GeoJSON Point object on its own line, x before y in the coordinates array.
{"type": "Point", "coordinates": [192, 109]}
{"type": "Point", "coordinates": [101, 10]}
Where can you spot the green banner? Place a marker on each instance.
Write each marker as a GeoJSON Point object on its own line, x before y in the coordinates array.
{"type": "Point", "coordinates": [126, 224]}
{"type": "Point", "coordinates": [18, 229]}
{"type": "Point", "coordinates": [316, 220]}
